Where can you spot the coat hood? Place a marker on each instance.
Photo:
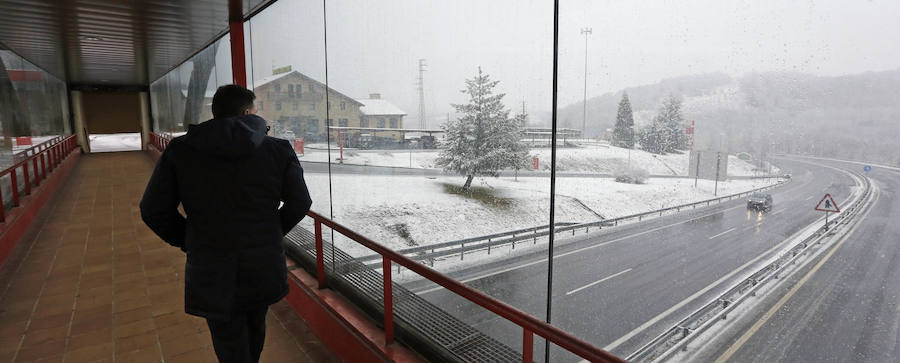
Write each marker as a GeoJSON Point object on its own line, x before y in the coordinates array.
{"type": "Point", "coordinates": [229, 137]}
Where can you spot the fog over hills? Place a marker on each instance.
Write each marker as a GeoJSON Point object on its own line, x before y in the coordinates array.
{"type": "Point", "coordinates": [851, 116]}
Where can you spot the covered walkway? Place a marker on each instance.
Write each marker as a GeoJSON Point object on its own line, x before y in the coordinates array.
{"type": "Point", "coordinates": [92, 283]}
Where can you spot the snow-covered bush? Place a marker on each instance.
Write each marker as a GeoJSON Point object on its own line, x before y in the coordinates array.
{"type": "Point", "coordinates": [635, 175]}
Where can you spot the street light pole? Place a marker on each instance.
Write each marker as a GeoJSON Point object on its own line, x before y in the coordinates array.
{"type": "Point", "coordinates": [586, 32]}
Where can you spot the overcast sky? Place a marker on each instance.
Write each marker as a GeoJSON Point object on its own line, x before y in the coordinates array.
{"type": "Point", "coordinates": [373, 46]}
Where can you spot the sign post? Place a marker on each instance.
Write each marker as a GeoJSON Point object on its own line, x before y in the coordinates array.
{"type": "Point", "coordinates": [827, 205]}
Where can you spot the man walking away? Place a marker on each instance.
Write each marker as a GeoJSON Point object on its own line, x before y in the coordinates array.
{"type": "Point", "coordinates": [230, 178]}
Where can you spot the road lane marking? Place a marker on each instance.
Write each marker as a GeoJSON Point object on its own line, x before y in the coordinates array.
{"type": "Point", "coordinates": [597, 282]}
{"type": "Point", "coordinates": [808, 198]}
{"type": "Point", "coordinates": [784, 299]}
{"type": "Point", "coordinates": [542, 260]}
{"type": "Point", "coordinates": [697, 294]}
{"type": "Point", "coordinates": [776, 212]}
{"type": "Point", "coordinates": [723, 233]}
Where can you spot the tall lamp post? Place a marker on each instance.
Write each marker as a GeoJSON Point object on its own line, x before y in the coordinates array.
{"type": "Point", "coordinates": [586, 32]}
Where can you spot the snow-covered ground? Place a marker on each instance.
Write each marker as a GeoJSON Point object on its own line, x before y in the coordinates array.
{"type": "Point", "coordinates": [115, 142]}
{"type": "Point", "coordinates": [404, 211]}
{"type": "Point", "coordinates": [591, 157]}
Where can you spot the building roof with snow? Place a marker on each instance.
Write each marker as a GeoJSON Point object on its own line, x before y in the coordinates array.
{"type": "Point", "coordinates": [375, 106]}
{"type": "Point", "coordinates": [262, 82]}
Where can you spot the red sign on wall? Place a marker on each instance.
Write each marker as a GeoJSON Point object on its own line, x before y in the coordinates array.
{"type": "Point", "coordinates": [298, 146]}
{"type": "Point", "coordinates": [23, 140]}
{"type": "Point", "coordinates": [535, 163]}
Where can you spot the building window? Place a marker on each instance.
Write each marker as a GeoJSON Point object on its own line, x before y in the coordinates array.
{"type": "Point", "coordinates": [259, 107]}
{"type": "Point", "coordinates": [330, 122]}
{"type": "Point", "coordinates": [299, 89]}
{"type": "Point", "coordinates": [381, 122]}
{"type": "Point", "coordinates": [278, 105]}
{"type": "Point", "coordinates": [343, 122]}
{"type": "Point", "coordinates": [311, 88]}
{"type": "Point", "coordinates": [343, 106]}
{"type": "Point", "coordinates": [329, 105]}
{"type": "Point", "coordinates": [278, 88]}
{"type": "Point", "coordinates": [312, 126]}
{"type": "Point", "coordinates": [290, 90]}
{"type": "Point", "coordinates": [296, 106]}
{"type": "Point", "coordinates": [312, 106]}
{"type": "Point", "coordinates": [393, 122]}
{"type": "Point", "coordinates": [363, 122]}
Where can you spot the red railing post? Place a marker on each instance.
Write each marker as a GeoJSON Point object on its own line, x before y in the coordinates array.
{"type": "Point", "coordinates": [388, 300]}
{"type": "Point", "coordinates": [43, 166]}
{"type": "Point", "coordinates": [2, 207]}
{"type": "Point", "coordinates": [527, 346]}
{"type": "Point", "coordinates": [14, 180]}
{"type": "Point", "coordinates": [320, 256]}
{"type": "Point", "coordinates": [27, 180]}
{"type": "Point", "coordinates": [37, 177]}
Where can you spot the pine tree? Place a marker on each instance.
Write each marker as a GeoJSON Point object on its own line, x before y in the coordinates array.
{"type": "Point", "coordinates": [670, 123]}
{"type": "Point", "coordinates": [623, 134]}
{"type": "Point", "coordinates": [484, 140]}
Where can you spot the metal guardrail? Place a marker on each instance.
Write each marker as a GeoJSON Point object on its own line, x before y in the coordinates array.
{"type": "Point", "coordinates": [488, 242]}
{"type": "Point", "coordinates": [678, 336]}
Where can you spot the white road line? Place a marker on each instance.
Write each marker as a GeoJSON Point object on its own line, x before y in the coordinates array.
{"type": "Point", "coordinates": [489, 274]}
{"type": "Point", "coordinates": [808, 198]}
{"type": "Point", "coordinates": [597, 282]}
{"type": "Point", "coordinates": [779, 211]}
{"type": "Point", "coordinates": [720, 234]}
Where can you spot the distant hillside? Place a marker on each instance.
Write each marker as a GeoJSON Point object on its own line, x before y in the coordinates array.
{"type": "Point", "coordinates": [853, 116]}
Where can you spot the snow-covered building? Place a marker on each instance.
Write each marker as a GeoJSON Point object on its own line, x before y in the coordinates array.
{"type": "Point", "coordinates": [379, 113]}
{"type": "Point", "coordinates": [292, 101]}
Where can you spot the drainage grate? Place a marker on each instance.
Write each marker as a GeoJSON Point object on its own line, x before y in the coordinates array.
{"type": "Point", "coordinates": [418, 322]}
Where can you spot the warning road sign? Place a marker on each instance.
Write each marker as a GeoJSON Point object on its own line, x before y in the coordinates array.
{"type": "Point", "coordinates": [827, 204]}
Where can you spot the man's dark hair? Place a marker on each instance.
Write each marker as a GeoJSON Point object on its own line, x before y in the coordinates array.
{"type": "Point", "coordinates": [232, 100]}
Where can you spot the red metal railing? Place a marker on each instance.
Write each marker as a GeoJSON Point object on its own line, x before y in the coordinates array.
{"type": "Point", "coordinates": [529, 324]}
{"type": "Point", "coordinates": [49, 154]}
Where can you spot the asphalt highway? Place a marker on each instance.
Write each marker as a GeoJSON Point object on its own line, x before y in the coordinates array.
{"type": "Point", "coordinates": [620, 287]}
{"type": "Point", "coordinates": [845, 310]}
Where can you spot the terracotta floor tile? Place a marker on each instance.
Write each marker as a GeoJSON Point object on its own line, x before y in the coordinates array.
{"type": "Point", "coordinates": [141, 313]}
{"type": "Point", "coordinates": [90, 353]}
{"type": "Point", "coordinates": [133, 328]}
{"type": "Point", "coordinates": [45, 350]}
{"type": "Point", "coordinates": [136, 342]}
{"type": "Point", "coordinates": [147, 355]}
{"type": "Point", "coordinates": [34, 337]}
{"type": "Point", "coordinates": [89, 339]}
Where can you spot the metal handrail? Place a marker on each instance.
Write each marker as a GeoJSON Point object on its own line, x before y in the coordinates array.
{"type": "Point", "coordinates": [529, 324]}
{"type": "Point", "coordinates": [49, 157]}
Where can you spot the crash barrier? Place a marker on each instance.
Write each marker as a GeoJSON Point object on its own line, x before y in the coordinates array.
{"type": "Point", "coordinates": [418, 321]}
{"type": "Point", "coordinates": [678, 336]}
{"type": "Point", "coordinates": [491, 241]}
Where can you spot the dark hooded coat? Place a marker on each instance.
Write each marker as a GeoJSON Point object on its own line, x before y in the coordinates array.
{"type": "Point", "coordinates": [230, 179]}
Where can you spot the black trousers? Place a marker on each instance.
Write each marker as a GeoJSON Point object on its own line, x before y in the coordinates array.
{"type": "Point", "coordinates": [239, 340]}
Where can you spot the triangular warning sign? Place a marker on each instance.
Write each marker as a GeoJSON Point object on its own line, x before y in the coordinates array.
{"type": "Point", "coordinates": [827, 204]}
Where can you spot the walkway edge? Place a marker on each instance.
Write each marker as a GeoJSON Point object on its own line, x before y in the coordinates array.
{"type": "Point", "coordinates": [21, 219]}
{"type": "Point", "coordinates": [342, 328]}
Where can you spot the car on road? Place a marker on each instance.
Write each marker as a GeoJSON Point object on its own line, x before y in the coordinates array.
{"type": "Point", "coordinates": [787, 176]}
{"type": "Point", "coordinates": [759, 201]}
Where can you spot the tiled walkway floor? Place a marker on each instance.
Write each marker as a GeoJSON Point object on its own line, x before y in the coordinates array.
{"type": "Point", "coordinates": [95, 284]}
